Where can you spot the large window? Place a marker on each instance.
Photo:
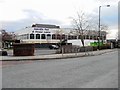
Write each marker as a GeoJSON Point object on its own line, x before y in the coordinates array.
{"type": "Point", "coordinates": [100, 37]}
{"type": "Point", "coordinates": [58, 36]}
{"type": "Point", "coordinates": [95, 37]}
{"type": "Point", "coordinates": [69, 37]}
{"type": "Point", "coordinates": [91, 37]}
{"type": "Point", "coordinates": [48, 36]}
{"type": "Point", "coordinates": [53, 36]}
{"type": "Point", "coordinates": [87, 37]}
{"type": "Point", "coordinates": [27, 36]}
{"type": "Point", "coordinates": [37, 36]}
{"type": "Point", "coordinates": [63, 36]}
{"type": "Point", "coordinates": [43, 36]}
{"type": "Point", "coordinates": [31, 36]}
{"type": "Point", "coordinates": [79, 37]}
{"type": "Point", "coordinates": [74, 37]}
{"type": "Point", "coordinates": [104, 37]}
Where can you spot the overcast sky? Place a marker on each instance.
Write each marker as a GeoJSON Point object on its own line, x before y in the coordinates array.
{"type": "Point", "coordinates": [17, 14]}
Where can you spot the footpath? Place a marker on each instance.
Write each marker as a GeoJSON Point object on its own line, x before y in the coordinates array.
{"type": "Point", "coordinates": [56, 56]}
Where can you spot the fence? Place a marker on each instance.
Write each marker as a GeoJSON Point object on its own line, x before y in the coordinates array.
{"type": "Point", "coordinates": [76, 49]}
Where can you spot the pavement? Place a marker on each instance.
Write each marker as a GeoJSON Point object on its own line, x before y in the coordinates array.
{"type": "Point", "coordinates": [56, 56]}
{"type": "Point", "coordinates": [44, 51]}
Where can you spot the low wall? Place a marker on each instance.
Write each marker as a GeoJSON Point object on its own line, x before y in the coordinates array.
{"type": "Point", "coordinates": [23, 49]}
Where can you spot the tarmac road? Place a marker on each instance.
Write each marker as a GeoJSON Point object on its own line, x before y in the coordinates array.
{"type": "Point", "coordinates": [84, 72]}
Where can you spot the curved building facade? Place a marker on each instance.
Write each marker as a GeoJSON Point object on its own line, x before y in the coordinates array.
{"type": "Point", "coordinates": [52, 34]}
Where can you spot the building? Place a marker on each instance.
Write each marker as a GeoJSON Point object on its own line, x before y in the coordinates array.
{"type": "Point", "coordinates": [44, 34]}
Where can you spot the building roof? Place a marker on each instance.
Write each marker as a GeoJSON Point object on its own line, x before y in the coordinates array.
{"type": "Point", "coordinates": [45, 26]}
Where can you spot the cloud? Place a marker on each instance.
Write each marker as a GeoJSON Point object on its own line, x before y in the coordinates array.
{"type": "Point", "coordinates": [1, 1]}
{"type": "Point", "coordinates": [17, 14]}
{"type": "Point", "coordinates": [32, 17]}
{"type": "Point", "coordinates": [106, 2]}
{"type": "Point", "coordinates": [108, 15]}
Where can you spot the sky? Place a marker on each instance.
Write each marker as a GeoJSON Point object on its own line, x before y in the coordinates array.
{"type": "Point", "coordinates": [17, 14]}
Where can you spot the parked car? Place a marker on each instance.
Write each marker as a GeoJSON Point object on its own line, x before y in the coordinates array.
{"type": "Point", "coordinates": [54, 47]}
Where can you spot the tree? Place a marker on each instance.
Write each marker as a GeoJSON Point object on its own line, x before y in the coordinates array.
{"type": "Point", "coordinates": [84, 23]}
{"type": "Point", "coordinates": [6, 35]}
{"type": "Point", "coordinates": [6, 38]}
{"type": "Point", "coordinates": [81, 24]}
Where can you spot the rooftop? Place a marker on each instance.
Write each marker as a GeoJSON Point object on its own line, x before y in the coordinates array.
{"type": "Point", "coordinates": [45, 26]}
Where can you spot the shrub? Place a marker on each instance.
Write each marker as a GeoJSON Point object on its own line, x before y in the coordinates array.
{"type": "Point", "coordinates": [95, 48]}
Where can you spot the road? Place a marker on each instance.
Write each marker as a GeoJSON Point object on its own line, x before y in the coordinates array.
{"type": "Point", "coordinates": [84, 72]}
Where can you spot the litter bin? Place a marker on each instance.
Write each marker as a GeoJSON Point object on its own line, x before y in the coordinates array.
{"type": "Point", "coordinates": [23, 49]}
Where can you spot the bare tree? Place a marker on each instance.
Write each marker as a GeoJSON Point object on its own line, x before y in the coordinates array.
{"type": "Point", "coordinates": [84, 24]}
{"type": "Point", "coordinates": [6, 35]}
{"type": "Point", "coordinates": [81, 24]}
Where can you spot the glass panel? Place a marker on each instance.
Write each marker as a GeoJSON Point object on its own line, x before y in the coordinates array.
{"type": "Point", "coordinates": [37, 36]}
{"type": "Point", "coordinates": [27, 36]}
{"type": "Point", "coordinates": [87, 36]}
{"type": "Point", "coordinates": [58, 36]}
{"type": "Point", "coordinates": [53, 36]}
{"type": "Point", "coordinates": [43, 36]}
{"type": "Point", "coordinates": [91, 37]}
{"type": "Point", "coordinates": [31, 36]}
{"type": "Point", "coordinates": [63, 36]}
{"type": "Point", "coordinates": [79, 37]}
{"type": "Point", "coordinates": [69, 37]}
{"type": "Point", "coordinates": [48, 36]}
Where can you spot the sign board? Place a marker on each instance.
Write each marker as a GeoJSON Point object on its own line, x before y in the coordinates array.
{"type": "Point", "coordinates": [37, 28]}
{"type": "Point", "coordinates": [41, 30]}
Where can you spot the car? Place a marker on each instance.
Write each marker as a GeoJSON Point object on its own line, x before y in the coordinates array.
{"type": "Point", "coordinates": [53, 47]}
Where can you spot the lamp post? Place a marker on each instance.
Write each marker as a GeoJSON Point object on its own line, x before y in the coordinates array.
{"type": "Point", "coordinates": [99, 24]}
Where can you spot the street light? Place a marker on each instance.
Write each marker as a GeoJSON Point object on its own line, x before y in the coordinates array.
{"type": "Point", "coordinates": [100, 25]}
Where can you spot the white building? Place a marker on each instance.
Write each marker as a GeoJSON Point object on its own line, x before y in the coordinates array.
{"type": "Point", "coordinates": [52, 34]}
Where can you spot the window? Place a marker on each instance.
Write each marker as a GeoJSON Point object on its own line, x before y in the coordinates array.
{"type": "Point", "coordinates": [100, 37]}
{"type": "Point", "coordinates": [69, 37]}
{"type": "Point", "coordinates": [83, 36]}
{"type": "Point", "coordinates": [104, 37]}
{"type": "Point", "coordinates": [58, 36]}
{"type": "Point", "coordinates": [53, 36]}
{"type": "Point", "coordinates": [66, 37]}
{"type": "Point", "coordinates": [87, 36]}
{"type": "Point", "coordinates": [91, 37]}
{"type": "Point", "coordinates": [95, 37]}
{"type": "Point", "coordinates": [79, 37]}
{"type": "Point", "coordinates": [74, 37]}
{"type": "Point", "coordinates": [37, 36]}
{"type": "Point", "coordinates": [31, 36]}
{"type": "Point", "coordinates": [63, 36]}
{"type": "Point", "coordinates": [24, 36]}
{"type": "Point", "coordinates": [27, 36]}
{"type": "Point", "coordinates": [48, 36]}
{"type": "Point", "coordinates": [43, 36]}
